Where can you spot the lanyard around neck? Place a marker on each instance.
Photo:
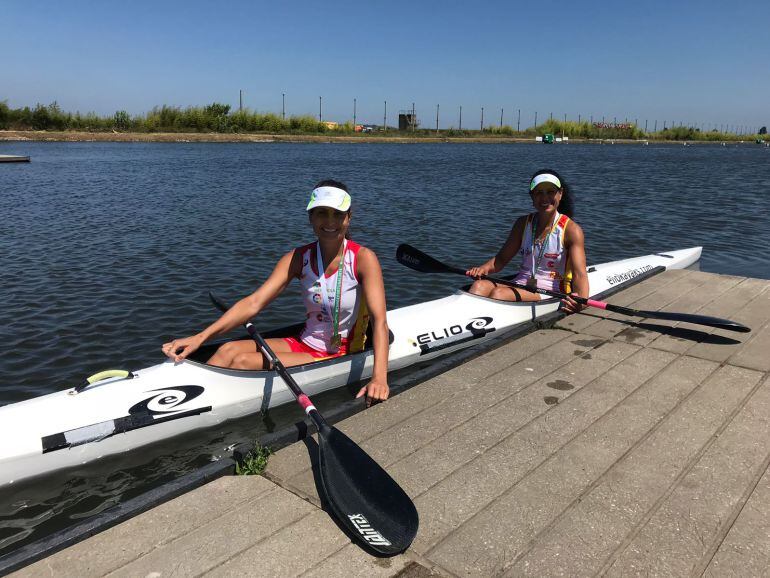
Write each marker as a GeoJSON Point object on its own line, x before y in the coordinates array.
{"type": "Point", "coordinates": [536, 261]}
{"type": "Point", "coordinates": [335, 310]}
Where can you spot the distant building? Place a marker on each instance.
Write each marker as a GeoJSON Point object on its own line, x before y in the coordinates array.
{"type": "Point", "coordinates": [407, 120]}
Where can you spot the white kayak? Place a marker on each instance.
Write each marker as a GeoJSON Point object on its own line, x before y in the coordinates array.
{"type": "Point", "coordinates": [123, 412]}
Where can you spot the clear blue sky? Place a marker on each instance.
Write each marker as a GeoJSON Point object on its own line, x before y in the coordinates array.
{"type": "Point", "coordinates": [692, 62]}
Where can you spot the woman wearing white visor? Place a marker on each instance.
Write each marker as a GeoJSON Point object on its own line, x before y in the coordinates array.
{"type": "Point", "coordinates": [342, 289]}
{"type": "Point", "coordinates": [551, 246]}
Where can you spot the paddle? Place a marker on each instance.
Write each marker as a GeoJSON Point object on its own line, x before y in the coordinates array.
{"type": "Point", "coordinates": [363, 497]}
{"type": "Point", "coordinates": [419, 261]}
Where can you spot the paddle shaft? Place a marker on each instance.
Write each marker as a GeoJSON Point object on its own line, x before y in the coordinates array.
{"type": "Point", "coordinates": [581, 300]}
{"type": "Point", "coordinates": [302, 399]}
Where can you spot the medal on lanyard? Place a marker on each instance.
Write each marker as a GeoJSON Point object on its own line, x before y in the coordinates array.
{"type": "Point", "coordinates": [532, 281]}
{"type": "Point", "coordinates": [336, 339]}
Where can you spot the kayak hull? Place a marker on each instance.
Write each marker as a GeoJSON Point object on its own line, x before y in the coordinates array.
{"type": "Point", "coordinates": [71, 428]}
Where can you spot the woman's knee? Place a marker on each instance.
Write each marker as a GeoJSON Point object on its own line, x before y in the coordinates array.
{"type": "Point", "coordinates": [482, 287]}
{"type": "Point", "coordinates": [227, 351]}
{"type": "Point", "coordinates": [247, 361]}
{"type": "Point", "coordinates": [505, 293]}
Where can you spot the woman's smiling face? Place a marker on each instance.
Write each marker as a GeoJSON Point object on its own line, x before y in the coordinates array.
{"type": "Point", "coordinates": [329, 224]}
{"type": "Point", "coordinates": [546, 197]}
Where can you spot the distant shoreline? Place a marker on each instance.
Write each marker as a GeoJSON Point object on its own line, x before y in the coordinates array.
{"type": "Point", "coordinates": [81, 136]}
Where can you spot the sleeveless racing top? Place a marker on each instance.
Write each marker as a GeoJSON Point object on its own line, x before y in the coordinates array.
{"type": "Point", "coordinates": [353, 317]}
{"type": "Point", "coordinates": [553, 270]}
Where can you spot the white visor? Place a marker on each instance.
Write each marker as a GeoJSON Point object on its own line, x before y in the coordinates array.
{"type": "Point", "coordinates": [545, 178]}
{"type": "Point", "coordinates": [329, 197]}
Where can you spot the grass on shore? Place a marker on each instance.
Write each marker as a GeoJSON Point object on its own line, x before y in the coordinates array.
{"type": "Point", "coordinates": [217, 118]}
{"type": "Point", "coordinates": [254, 462]}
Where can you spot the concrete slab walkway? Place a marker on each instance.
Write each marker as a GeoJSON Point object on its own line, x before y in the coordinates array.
{"type": "Point", "coordinates": [601, 446]}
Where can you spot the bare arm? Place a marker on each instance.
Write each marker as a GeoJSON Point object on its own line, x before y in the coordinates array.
{"type": "Point", "coordinates": [505, 254]}
{"type": "Point", "coordinates": [574, 241]}
{"type": "Point", "coordinates": [287, 268]}
{"type": "Point", "coordinates": [370, 274]}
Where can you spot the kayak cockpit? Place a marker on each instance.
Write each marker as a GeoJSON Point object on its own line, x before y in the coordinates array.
{"type": "Point", "coordinates": [205, 351]}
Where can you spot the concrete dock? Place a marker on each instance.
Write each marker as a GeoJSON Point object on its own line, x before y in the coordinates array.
{"type": "Point", "coordinates": [600, 446]}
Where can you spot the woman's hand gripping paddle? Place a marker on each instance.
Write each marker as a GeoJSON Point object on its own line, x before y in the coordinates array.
{"type": "Point", "coordinates": [419, 261]}
{"type": "Point", "coordinates": [363, 497]}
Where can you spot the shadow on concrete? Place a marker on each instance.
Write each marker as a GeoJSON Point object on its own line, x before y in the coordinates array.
{"type": "Point", "coordinates": [677, 332]}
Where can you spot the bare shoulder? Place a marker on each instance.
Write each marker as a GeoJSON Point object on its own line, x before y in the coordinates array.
{"type": "Point", "coordinates": [367, 259]}
{"type": "Point", "coordinates": [293, 262]}
{"type": "Point", "coordinates": [518, 226]}
{"type": "Point", "coordinates": [574, 233]}
{"type": "Point", "coordinates": [520, 222]}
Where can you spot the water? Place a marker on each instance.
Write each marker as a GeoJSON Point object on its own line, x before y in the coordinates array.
{"type": "Point", "coordinates": [109, 249]}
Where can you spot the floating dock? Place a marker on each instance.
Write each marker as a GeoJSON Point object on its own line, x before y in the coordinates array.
{"type": "Point", "coordinates": [601, 445]}
{"type": "Point", "coordinates": [13, 159]}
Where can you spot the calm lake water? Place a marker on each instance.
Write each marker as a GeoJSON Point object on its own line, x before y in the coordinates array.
{"type": "Point", "coordinates": [109, 249]}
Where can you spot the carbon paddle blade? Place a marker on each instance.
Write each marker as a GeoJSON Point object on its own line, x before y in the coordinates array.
{"type": "Point", "coordinates": [419, 261]}
{"type": "Point", "coordinates": [363, 497]}
{"type": "Point", "coordinates": [683, 317]}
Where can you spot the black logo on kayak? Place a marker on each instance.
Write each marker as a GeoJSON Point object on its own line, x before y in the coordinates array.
{"type": "Point", "coordinates": [616, 278]}
{"type": "Point", "coordinates": [167, 401]}
{"type": "Point", "coordinates": [478, 326]}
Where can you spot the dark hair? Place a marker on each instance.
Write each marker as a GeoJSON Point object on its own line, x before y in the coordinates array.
{"type": "Point", "coordinates": [567, 203]}
{"type": "Point", "coordinates": [332, 183]}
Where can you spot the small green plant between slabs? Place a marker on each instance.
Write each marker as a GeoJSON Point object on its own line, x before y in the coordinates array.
{"type": "Point", "coordinates": [254, 462]}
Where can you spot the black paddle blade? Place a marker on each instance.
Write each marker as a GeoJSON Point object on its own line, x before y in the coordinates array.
{"type": "Point", "coordinates": [684, 318]}
{"type": "Point", "coordinates": [419, 261]}
{"type": "Point", "coordinates": [363, 497]}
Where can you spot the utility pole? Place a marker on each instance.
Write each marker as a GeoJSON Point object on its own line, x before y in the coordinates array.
{"type": "Point", "coordinates": [414, 120]}
{"type": "Point", "coordinates": [645, 125]}
{"type": "Point", "coordinates": [385, 118]}
{"type": "Point", "coordinates": [354, 115]}
{"type": "Point", "coordinates": [578, 118]}
{"type": "Point", "coordinates": [437, 119]}
{"type": "Point", "coordinates": [551, 117]}
{"type": "Point", "coordinates": [535, 120]}
{"type": "Point", "coordinates": [501, 117]}
{"type": "Point", "coordinates": [656, 126]}
{"type": "Point", "coordinates": [518, 120]}
{"type": "Point", "coordinates": [283, 105]}
{"type": "Point", "coordinates": [240, 101]}
{"type": "Point", "coordinates": [461, 117]}
{"type": "Point", "coordinates": [482, 118]}
{"type": "Point", "coordinates": [320, 117]}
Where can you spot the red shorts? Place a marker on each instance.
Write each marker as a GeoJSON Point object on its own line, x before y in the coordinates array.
{"type": "Point", "coordinates": [298, 346]}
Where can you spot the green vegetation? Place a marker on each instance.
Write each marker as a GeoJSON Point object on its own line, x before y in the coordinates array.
{"type": "Point", "coordinates": [254, 462]}
{"type": "Point", "coordinates": [214, 117]}
{"type": "Point", "coordinates": [218, 118]}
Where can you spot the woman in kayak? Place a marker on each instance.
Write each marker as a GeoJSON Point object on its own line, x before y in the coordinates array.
{"type": "Point", "coordinates": [341, 285]}
{"type": "Point", "coordinates": [551, 245]}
